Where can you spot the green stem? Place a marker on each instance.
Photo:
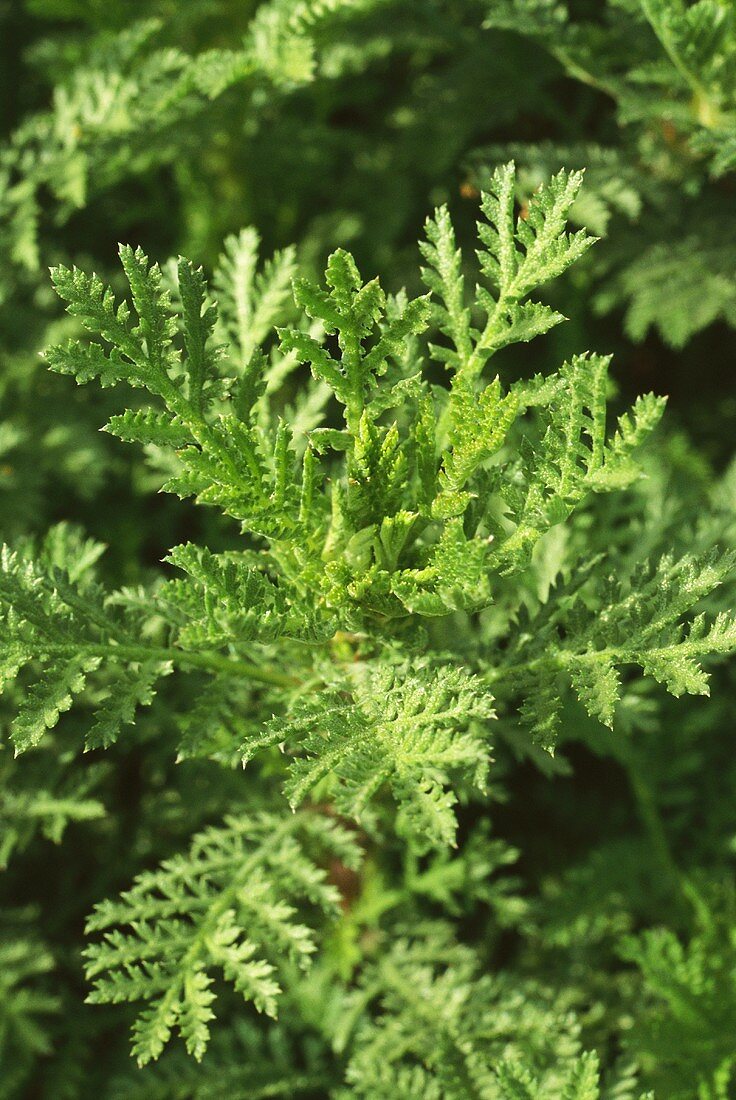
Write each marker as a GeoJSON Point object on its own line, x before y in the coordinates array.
{"type": "Point", "coordinates": [651, 819]}
{"type": "Point", "coordinates": [707, 112]}
{"type": "Point", "coordinates": [695, 648]}
{"type": "Point", "coordinates": [209, 661]}
{"type": "Point", "coordinates": [576, 70]}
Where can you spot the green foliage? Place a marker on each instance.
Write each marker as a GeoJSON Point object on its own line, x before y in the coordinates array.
{"type": "Point", "coordinates": [405, 728]}
{"type": "Point", "coordinates": [27, 1007]}
{"type": "Point", "coordinates": [669, 70]}
{"type": "Point", "coordinates": [278, 1064]}
{"type": "Point", "coordinates": [45, 803]}
{"type": "Point", "coordinates": [405, 535]}
{"type": "Point", "coordinates": [691, 987]}
{"type": "Point", "coordinates": [588, 635]}
{"type": "Point", "coordinates": [432, 511]}
{"type": "Point", "coordinates": [226, 904]}
{"type": "Point", "coordinates": [520, 254]}
{"type": "Point", "coordinates": [407, 738]}
{"type": "Point", "coordinates": [444, 1030]}
{"type": "Point", "coordinates": [134, 87]}
{"type": "Point", "coordinates": [681, 65]}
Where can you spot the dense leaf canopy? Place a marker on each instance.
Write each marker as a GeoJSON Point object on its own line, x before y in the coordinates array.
{"type": "Point", "coordinates": [366, 605]}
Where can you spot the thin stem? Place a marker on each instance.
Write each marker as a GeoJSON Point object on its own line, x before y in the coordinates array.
{"type": "Point", "coordinates": [210, 661]}
{"type": "Point", "coordinates": [615, 654]}
{"type": "Point", "coordinates": [708, 112]}
{"type": "Point", "coordinates": [651, 820]}
{"type": "Point", "coordinates": [575, 69]}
